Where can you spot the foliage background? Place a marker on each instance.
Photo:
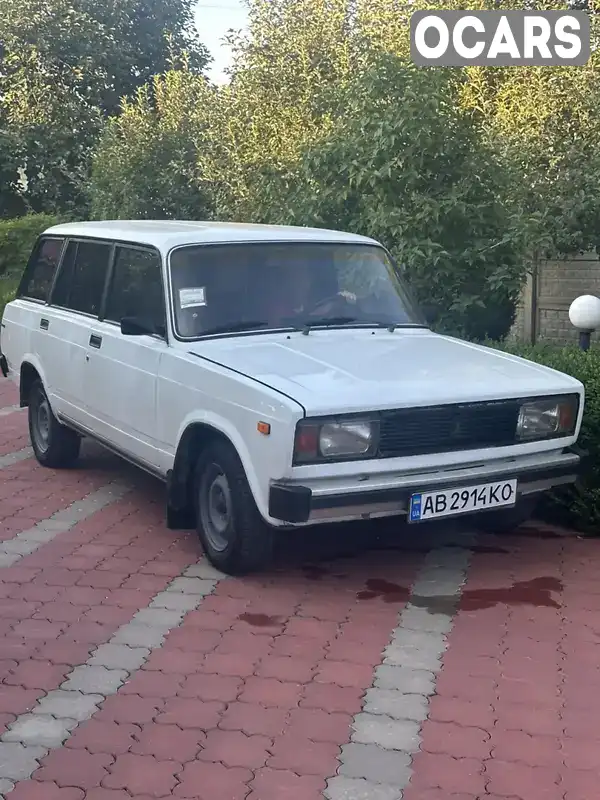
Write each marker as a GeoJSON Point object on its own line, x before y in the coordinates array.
{"type": "Point", "coordinates": [577, 506]}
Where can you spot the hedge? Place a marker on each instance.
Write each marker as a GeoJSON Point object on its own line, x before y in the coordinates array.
{"type": "Point", "coordinates": [17, 237]}
{"type": "Point", "coordinates": [577, 506]}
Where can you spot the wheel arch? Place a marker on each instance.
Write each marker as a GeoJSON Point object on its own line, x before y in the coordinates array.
{"type": "Point", "coordinates": [30, 372]}
{"type": "Point", "coordinates": [195, 438]}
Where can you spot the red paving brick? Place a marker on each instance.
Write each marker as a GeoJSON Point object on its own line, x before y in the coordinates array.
{"type": "Point", "coordinates": [518, 690]}
{"type": "Point", "coordinates": [233, 709]}
{"type": "Point", "coordinates": [9, 394]}
{"type": "Point", "coordinates": [58, 604]}
{"type": "Point", "coordinates": [46, 790]}
{"type": "Point", "coordinates": [253, 696]}
{"type": "Point", "coordinates": [15, 434]}
{"type": "Point", "coordinates": [226, 707]}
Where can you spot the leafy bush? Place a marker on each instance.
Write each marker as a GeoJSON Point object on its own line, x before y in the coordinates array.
{"type": "Point", "coordinates": [17, 237]}
{"type": "Point", "coordinates": [578, 506]}
{"type": "Point", "coordinates": [146, 166]}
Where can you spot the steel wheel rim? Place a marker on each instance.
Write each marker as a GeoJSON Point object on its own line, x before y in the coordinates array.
{"type": "Point", "coordinates": [216, 512]}
{"type": "Point", "coordinates": [42, 415]}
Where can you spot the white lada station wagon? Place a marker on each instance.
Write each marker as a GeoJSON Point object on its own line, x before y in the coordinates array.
{"type": "Point", "coordinates": [275, 377]}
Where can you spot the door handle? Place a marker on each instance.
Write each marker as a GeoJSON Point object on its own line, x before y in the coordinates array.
{"type": "Point", "coordinates": [95, 341]}
{"type": "Point", "coordinates": [44, 324]}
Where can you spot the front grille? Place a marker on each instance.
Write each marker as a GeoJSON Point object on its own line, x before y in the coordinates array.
{"type": "Point", "coordinates": [443, 429]}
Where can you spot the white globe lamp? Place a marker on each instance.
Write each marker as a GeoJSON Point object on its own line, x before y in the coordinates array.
{"type": "Point", "coordinates": [584, 314]}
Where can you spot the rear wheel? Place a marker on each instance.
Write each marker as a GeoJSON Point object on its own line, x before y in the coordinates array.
{"type": "Point", "coordinates": [235, 537]}
{"type": "Point", "coordinates": [54, 445]}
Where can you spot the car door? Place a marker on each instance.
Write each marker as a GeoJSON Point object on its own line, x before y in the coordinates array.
{"type": "Point", "coordinates": [121, 370]}
{"type": "Point", "coordinates": [75, 304]}
{"type": "Point", "coordinates": [28, 332]}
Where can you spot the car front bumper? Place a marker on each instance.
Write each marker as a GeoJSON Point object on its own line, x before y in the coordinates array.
{"type": "Point", "coordinates": [298, 504]}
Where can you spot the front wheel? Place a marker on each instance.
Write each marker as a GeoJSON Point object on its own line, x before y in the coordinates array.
{"type": "Point", "coordinates": [235, 537]}
{"type": "Point", "coordinates": [53, 445]}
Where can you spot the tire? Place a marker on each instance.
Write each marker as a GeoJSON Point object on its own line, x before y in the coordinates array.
{"type": "Point", "coordinates": [506, 521]}
{"type": "Point", "coordinates": [235, 537]}
{"type": "Point", "coordinates": [53, 445]}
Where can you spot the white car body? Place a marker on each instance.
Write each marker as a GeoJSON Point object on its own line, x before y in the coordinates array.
{"type": "Point", "coordinates": [138, 395]}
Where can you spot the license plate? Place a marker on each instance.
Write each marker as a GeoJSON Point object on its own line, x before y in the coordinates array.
{"type": "Point", "coordinates": [467, 499]}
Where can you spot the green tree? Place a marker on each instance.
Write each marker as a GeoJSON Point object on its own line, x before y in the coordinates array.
{"type": "Point", "coordinates": [406, 165]}
{"type": "Point", "coordinates": [284, 80]}
{"type": "Point", "coordinates": [64, 67]}
{"type": "Point", "coordinates": [102, 51]}
{"type": "Point", "coordinates": [147, 165]}
{"type": "Point", "coordinates": [544, 120]}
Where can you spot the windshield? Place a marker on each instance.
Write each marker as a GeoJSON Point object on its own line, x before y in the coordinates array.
{"type": "Point", "coordinates": [265, 286]}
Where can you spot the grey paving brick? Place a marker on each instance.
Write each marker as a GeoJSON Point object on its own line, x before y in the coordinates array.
{"type": "Point", "coordinates": [40, 535]}
{"type": "Point", "coordinates": [18, 761]}
{"type": "Point", "coordinates": [386, 732]}
{"type": "Point", "coordinates": [425, 640]}
{"type": "Point", "coordinates": [6, 410]}
{"type": "Point", "coordinates": [396, 704]}
{"type": "Point", "coordinates": [52, 525]}
{"type": "Point", "coordinates": [69, 705]}
{"type": "Point", "coordinates": [21, 547]}
{"type": "Point", "coordinates": [405, 679]}
{"type": "Point", "coordinates": [53, 718]}
{"type": "Point", "coordinates": [434, 588]}
{"type": "Point", "coordinates": [92, 679]}
{"type": "Point", "coordinates": [176, 601]}
{"type": "Point", "coordinates": [13, 458]}
{"type": "Point", "coordinates": [450, 558]}
{"type": "Point", "coordinates": [342, 788]}
{"type": "Point", "coordinates": [196, 586]}
{"type": "Point", "coordinates": [420, 619]}
{"type": "Point", "coordinates": [6, 786]}
{"type": "Point", "coordinates": [204, 570]}
{"type": "Point", "coordinates": [119, 656]}
{"type": "Point", "coordinates": [81, 509]}
{"type": "Point", "coordinates": [26, 542]}
{"type": "Point", "coordinates": [440, 572]}
{"type": "Point", "coordinates": [159, 617]}
{"type": "Point", "coordinates": [375, 764]}
{"type": "Point", "coordinates": [413, 658]}
{"type": "Point", "coordinates": [138, 635]}
{"type": "Point", "coordinates": [39, 729]}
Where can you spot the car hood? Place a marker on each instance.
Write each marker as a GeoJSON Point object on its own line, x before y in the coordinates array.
{"type": "Point", "coordinates": [329, 371]}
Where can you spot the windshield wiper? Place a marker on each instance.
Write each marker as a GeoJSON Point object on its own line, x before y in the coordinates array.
{"type": "Point", "coordinates": [326, 322]}
{"type": "Point", "coordinates": [234, 327]}
{"type": "Point", "coordinates": [330, 322]}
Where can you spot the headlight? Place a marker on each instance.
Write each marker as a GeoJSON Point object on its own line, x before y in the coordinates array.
{"type": "Point", "coordinates": [548, 418]}
{"type": "Point", "coordinates": [324, 441]}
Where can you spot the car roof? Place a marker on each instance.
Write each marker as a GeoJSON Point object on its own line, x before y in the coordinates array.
{"type": "Point", "coordinates": [166, 234]}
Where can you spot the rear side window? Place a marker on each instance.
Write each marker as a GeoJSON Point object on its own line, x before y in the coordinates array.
{"type": "Point", "coordinates": [80, 282]}
{"type": "Point", "coordinates": [136, 288]}
{"type": "Point", "coordinates": [41, 270]}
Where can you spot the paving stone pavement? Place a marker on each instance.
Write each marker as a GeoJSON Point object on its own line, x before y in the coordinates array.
{"type": "Point", "coordinates": [365, 665]}
{"type": "Point", "coordinates": [9, 394]}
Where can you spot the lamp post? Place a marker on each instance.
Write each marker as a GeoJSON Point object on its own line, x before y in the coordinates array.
{"type": "Point", "coordinates": [584, 314]}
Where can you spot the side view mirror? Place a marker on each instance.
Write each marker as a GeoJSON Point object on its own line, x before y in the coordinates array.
{"type": "Point", "coordinates": [136, 326]}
